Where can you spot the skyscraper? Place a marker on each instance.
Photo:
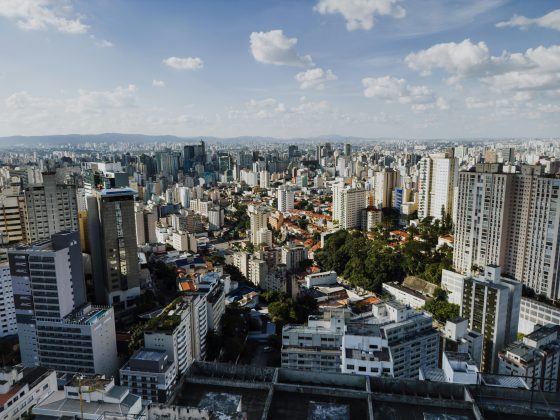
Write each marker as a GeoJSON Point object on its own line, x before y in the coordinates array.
{"type": "Point", "coordinates": [258, 217]}
{"type": "Point", "coordinates": [112, 234]}
{"type": "Point", "coordinates": [193, 154]}
{"type": "Point", "coordinates": [511, 220]}
{"type": "Point", "coordinates": [437, 179]}
{"type": "Point", "coordinates": [49, 208]}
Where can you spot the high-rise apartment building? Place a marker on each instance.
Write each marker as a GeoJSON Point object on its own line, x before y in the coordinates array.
{"type": "Point", "coordinates": [511, 220]}
{"type": "Point", "coordinates": [385, 182]}
{"type": "Point", "coordinates": [12, 218]}
{"type": "Point", "coordinates": [437, 178]}
{"type": "Point", "coordinates": [491, 306]}
{"type": "Point", "coordinates": [258, 217]}
{"type": "Point", "coordinates": [112, 233]}
{"type": "Point", "coordinates": [285, 198]}
{"type": "Point", "coordinates": [348, 204]}
{"type": "Point", "coordinates": [49, 208]}
{"type": "Point", "coordinates": [8, 324]}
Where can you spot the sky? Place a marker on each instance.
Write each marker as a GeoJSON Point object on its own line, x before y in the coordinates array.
{"type": "Point", "coordinates": [287, 68]}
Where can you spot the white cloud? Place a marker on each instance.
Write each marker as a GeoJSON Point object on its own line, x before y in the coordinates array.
{"type": "Point", "coordinates": [458, 59]}
{"type": "Point", "coordinates": [315, 78]}
{"type": "Point", "coordinates": [550, 20]}
{"type": "Point", "coordinates": [274, 47]}
{"type": "Point", "coordinates": [100, 101]}
{"type": "Point", "coordinates": [158, 83]}
{"type": "Point", "coordinates": [34, 15]}
{"type": "Point", "coordinates": [359, 14]}
{"type": "Point", "coordinates": [535, 69]}
{"type": "Point", "coordinates": [394, 90]}
{"type": "Point", "coordinates": [188, 63]}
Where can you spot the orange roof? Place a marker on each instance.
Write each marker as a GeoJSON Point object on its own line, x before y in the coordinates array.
{"type": "Point", "coordinates": [372, 300]}
{"type": "Point", "coordinates": [4, 398]}
{"type": "Point", "coordinates": [447, 238]}
{"type": "Point", "coordinates": [400, 233]}
{"type": "Point", "coordinates": [187, 286]}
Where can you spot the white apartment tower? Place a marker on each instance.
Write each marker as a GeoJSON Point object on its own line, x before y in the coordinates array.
{"type": "Point", "coordinates": [285, 198]}
{"type": "Point", "coordinates": [511, 220]}
{"type": "Point", "coordinates": [437, 178]}
{"type": "Point", "coordinates": [348, 204]}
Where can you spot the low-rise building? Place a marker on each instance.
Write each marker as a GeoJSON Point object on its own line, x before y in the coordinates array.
{"type": "Point", "coordinates": [90, 398]}
{"type": "Point", "coordinates": [150, 374]}
{"type": "Point", "coordinates": [320, 279]}
{"type": "Point", "coordinates": [457, 368]}
{"type": "Point", "coordinates": [536, 358]}
{"type": "Point", "coordinates": [22, 388]}
{"type": "Point", "coordinates": [457, 338]}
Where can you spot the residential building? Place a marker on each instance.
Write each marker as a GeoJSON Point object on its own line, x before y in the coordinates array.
{"type": "Point", "coordinates": [536, 358]}
{"type": "Point", "coordinates": [257, 270]}
{"type": "Point", "coordinates": [511, 220]}
{"type": "Point", "coordinates": [456, 337]}
{"type": "Point", "coordinates": [21, 389]}
{"type": "Point", "coordinates": [437, 179]}
{"type": "Point", "coordinates": [8, 323]}
{"type": "Point", "coordinates": [285, 198]}
{"type": "Point", "coordinates": [259, 221]}
{"type": "Point", "coordinates": [315, 346]}
{"type": "Point", "coordinates": [456, 368]}
{"type": "Point", "coordinates": [412, 340]}
{"type": "Point", "coordinates": [348, 204]}
{"type": "Point", "coordinates": [533, 313]}
{"type": "Point", "coordinates": [385, 182]}
{"type": "Point", "coordinates": [149, 374]}
{"type": "Point", "coordinates": [324, 278]}
{"type": "Point", "coordinates": [49, 208]}
{"type": "Point", "coordinates": [365, 351]}
{"type": "Point", "coordinates": [12, 217]}
{"type": "Point", "coordinates": [491, 306]}
{"type": "Point", "coordinates": [371, 217]}
{"type": "Point", "coordinates": [293, 256]}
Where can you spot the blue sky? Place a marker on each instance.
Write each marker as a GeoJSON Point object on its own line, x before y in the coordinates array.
{"type": "Point", "coordinates": [372, 68]}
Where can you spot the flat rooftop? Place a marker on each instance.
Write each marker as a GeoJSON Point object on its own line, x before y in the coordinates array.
{"type": "Point", "coordinates": [149, 354]}
{"type": "Point", "coordinates": [279, 393]}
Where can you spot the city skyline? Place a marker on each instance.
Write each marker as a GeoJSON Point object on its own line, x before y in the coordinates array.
{"type": "Point", "coordinates": [372, 69]}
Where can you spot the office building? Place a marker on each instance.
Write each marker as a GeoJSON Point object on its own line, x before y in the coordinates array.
{"type": "Point", "coordinates": [511, 220]}
{"type": "Point", "coordinates": [150, 374]}
{"type": "Point", "coordinates": [8, 323]}
{"type": "Point", "coordinates": [112, 232]}
{"type": "Point", "coordinates": [348, 204]}
{"type": "Point", "coordinates": [48, 283]}
{"type": "Point", "coordinates": [56, 327]}
{"type": "Point", "coordinates": [536, 358]}
{"type": "Point", "coordinates": [193, 154]}
{"type": "Point", "coordinates": [49, 208]}
{"type": "Point", "coordinates": [437, 178]}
